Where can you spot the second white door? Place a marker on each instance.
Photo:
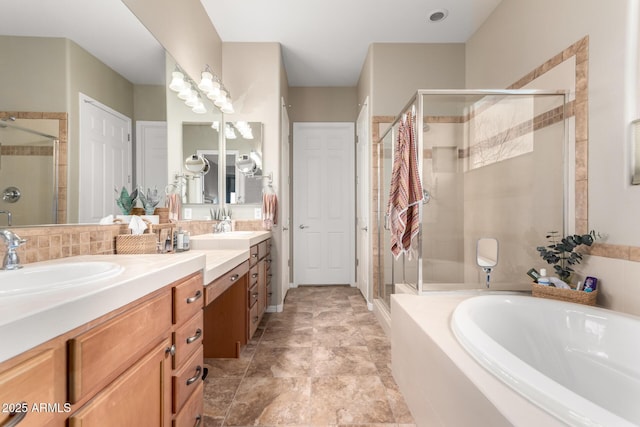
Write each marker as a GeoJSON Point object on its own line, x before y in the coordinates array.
{"type": "Point", "coordinates": [323, 203]}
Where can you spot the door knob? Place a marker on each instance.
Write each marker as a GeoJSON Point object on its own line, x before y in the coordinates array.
{"type": "Point", "coordinates": [302, 226]}
{"type": "Point", "coordinates": [365, 228]}
{"type": "Point", "coordinates": [285, 228]}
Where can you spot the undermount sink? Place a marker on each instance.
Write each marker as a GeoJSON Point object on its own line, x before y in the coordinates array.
{"type": "Point", "coordinates": [32, 279]}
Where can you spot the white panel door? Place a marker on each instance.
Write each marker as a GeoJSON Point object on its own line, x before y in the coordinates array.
{"type": "Point", "coordinates": [323, 203]}
{"type": "Point", "coordinates": [105, 159]}
{"type": "Point", "coordinates": [151, 155]}
{"type": "Point", "coordinates": [363, 241]}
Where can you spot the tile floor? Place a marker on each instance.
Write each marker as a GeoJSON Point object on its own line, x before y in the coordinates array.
{"type": "Point", "coordinates": [323, 361]}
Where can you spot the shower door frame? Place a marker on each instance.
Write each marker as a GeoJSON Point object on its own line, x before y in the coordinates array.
{"type": "Point", "coordinates": [418, 100]}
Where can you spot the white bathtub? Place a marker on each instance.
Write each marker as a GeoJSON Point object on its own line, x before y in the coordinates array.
{"type": "Point", "coordinates": [444, 385]}
{"type": "Point", "coordinates": [582, 364]}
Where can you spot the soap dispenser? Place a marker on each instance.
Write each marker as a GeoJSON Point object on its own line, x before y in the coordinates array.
{"type": "Point", "coordinates": [543, 279]}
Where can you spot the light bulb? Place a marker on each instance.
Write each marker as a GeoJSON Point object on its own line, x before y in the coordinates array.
{"type": "Point", "coordinates": [177, 81]}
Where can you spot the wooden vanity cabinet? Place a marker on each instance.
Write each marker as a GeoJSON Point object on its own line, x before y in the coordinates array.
{"type": "Point", "coordinates": [142, 366]}
{"type": "Point", "coordinates": [188, 336]}
{"type": "Point", "coordinates": [259, 294]}
{"type": "Point", "coordinates": [224, 314]}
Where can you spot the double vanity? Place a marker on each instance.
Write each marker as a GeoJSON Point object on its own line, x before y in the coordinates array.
{"type": "Point", "coordinates": [120, 339]}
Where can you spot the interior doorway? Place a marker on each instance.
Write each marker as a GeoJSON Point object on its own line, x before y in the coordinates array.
{"type": "Point", "coordinates": [324, 203]}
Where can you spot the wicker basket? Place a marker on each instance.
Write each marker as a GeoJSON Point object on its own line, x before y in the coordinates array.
{"type": "Point", "coordinates": [137, 244]}
{"type": "Point", "coordinates": [569, 295]}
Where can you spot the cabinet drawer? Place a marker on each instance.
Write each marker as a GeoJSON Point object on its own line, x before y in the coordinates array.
{"type": "Point", "coordinates": [191, 413]}
{"type": "Point", "coordinates": [253, 275]}
{"type": "Point", "coordinates": [187, 339]}
{"type": "Point", "coordinates": [32, 382]}
{"type": "Point", "coordinates": [187, 379]}
{"type": "Point", "coordinates": [139, 397]}
{"type": "Point", "coordinates": [254, 320]}
{"type": "Point", "coordinates": [187, 299]}
{"type": "Point", "coordinates": [253, 255]}
{"type": "Point", "coordinates": [99, 355]}
{"type": "Point", "coordinates": [262, 249]}
{"type": "Point", "coordinates": [253, 294]}
{"type": "Point", "coordinates": [224, 282]}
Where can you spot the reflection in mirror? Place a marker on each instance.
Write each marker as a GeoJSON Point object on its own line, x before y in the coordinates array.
{"type": "Point", "coordinates": [241, 181]}
{"type": "Point", "coordinates": [28, 153]}
{"type": "Point", "coordinates": [200, 146]}
{"type": "Point", "coordinates": [244, 143]}
{"type": "Point", "coordinates": [49, 63]}
{"type": "Point", "coordinates": [487, 255]}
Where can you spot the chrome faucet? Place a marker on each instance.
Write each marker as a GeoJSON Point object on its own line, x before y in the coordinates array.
{"type": "Point", "coordinates": [13, 242]}
{"type": "Point", "coordinates": [9, 220]}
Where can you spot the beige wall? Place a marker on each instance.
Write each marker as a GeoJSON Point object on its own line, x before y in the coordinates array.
{"type": "Point", "coordinates": [184, 30]}
{"type": "Point", "coordinates": [512, 42]}
{"type": "Point", "coordinates": [398, 70]}
{"type": "Point", "coordinates": [323, 104]}
{"type": "Point", "coordinates": [34, 71]}
{"type": "Point", "coordinates": [149, 103]}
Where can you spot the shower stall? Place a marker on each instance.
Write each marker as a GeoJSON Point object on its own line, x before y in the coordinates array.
{"type": "Point", "coordinates": [493, 165]}
{"type": "Point", "coordinates": [29, 150]}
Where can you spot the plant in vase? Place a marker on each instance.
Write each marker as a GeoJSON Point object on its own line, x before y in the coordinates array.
{"type": "Point", "coordinates": [125, 201]}
{"type": "Point", "coordinates": [561, 251]}
{"type": "Point", "coordinates": [150, 200]}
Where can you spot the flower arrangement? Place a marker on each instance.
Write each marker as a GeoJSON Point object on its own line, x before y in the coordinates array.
{"type": "Point", "coordinates": [126, 201]}
{"type": "Point", "coordinates": [561, 251]}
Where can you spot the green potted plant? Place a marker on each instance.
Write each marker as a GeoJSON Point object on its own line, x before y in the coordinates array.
{"type": "Point", "coordinates": [561, 251]}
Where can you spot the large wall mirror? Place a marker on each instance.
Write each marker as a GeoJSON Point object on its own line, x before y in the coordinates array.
{"type": "Point", "coordinates": [47, 65]}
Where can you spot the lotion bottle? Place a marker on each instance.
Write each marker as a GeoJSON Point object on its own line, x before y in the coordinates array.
{"type": "Point", "coordinates": [543, 279]}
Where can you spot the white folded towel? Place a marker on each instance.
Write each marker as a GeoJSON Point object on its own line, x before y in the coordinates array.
{"type": "Point", "coordinates": [106, 220]}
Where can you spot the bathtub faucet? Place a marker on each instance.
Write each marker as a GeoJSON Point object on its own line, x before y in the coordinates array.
{"type": "Point", "coordinates": [487, 271]}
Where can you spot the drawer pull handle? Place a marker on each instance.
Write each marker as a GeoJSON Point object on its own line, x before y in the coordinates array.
{"type": "Point", "coordinates": [255, 295]}
{"type": "Point", "coordinates": [194, 298]}
{"type": "Point", "coordinates": [16, 417]}
{"type": "Point", "coordinates": [255, 319]}
{"type": "Point", "coordinates": [254, 255]}
{"type": "Point", "coordinates": [234, 277]}
{"type": "Point", "coordinates": [196, 377]}
{"type": "Point", "coordinates": [254, 275]}
{"type": "Point", "coordinates": [198, 421]}
{"type": "Point", "coordinates": [171, 350]}
{"type": "Point", "coordinates": [195, 337]}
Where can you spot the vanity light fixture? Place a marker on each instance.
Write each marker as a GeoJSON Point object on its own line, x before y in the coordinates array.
{"type": "Point", "coordinates": [229, 133]}
{"type": "Point", "coordinates": [199, 108]}
{"type": "Point", "coordinates": [177, 81]}
{"type": "Point", "coordinates": [185, 92]}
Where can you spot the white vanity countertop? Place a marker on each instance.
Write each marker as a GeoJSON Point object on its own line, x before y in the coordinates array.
{"type": "Point", "coordinates": [32, 319]}
{"type": "Point", "coordinates": [230, 240]}
{"type": "Point", "coordinates": [219, 261]}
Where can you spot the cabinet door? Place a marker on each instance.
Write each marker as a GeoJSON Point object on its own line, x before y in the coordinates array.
{"type": "Point", "coordinates": [38, 380]}
{"type": "Point", "coordinates": [101, 354]}
{"type": "Point", "coordinates": [139, 397]}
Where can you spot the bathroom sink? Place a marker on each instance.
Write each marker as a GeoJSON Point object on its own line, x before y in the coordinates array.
{"type": "Point", "coordinates": [238, 233]}
{"type": "Point", "coordinates": [37, 279]}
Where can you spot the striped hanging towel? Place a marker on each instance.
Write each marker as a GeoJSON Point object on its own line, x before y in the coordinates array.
{"type": "Point", "coordinates": [175, 206]}
{"type": "Point", "coordinates": [269, 210]}
{"type": "Point", "coordinates": [405, 194]}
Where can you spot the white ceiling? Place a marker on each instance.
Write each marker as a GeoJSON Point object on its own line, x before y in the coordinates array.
{"type": "Point", "coordinates": [324, 41]}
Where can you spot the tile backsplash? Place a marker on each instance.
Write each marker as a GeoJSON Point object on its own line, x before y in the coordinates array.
{"type": "Point", "coordinates": [61, 241]}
